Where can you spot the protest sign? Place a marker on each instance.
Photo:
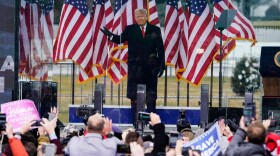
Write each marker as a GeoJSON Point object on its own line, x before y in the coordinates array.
{"type": "Point", "coordinates": [19, 113]}
{"type": "Point", "coordinates": [208, 142]}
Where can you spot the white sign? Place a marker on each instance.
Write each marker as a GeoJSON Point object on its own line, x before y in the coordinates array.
{"type": "Point", "coordinates": [208, 142]}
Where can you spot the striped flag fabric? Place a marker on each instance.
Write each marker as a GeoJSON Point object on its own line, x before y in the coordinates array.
{"type": "Point", "coordinates": [152, 13]}
{"type": "Point", "coordinates": [182, 57]}
{"type": "Point", "coordinates": [102, 15]}
{"type": "Point", "coordinates": [74, 36]}
{"type": "Point", "coordinates": [36, 38]}
{"type": "Point", "coordinates": [175, 36]}
{"type": "Point", "coordinates": [123, 16]}
{"type": "Point", "coordinates": [201, 41]}
{"type": "Point", "coordinates": [240, 29]}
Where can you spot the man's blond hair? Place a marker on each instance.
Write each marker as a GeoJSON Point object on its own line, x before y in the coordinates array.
{"type": "Point", "coordinates": [141, 11]}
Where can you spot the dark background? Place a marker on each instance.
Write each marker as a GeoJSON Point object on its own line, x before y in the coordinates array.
{"type": "Point", "coordinates": [7, 45]}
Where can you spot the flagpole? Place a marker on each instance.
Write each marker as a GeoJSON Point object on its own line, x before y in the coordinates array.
{"type": "Point", "coordinates": [15, 92]}
{"type": "Point", "coordinates": [223, 22]}
{"type": "Point", "coordinates": [119, 87]}
{"type": "Point", "coordinates": [220, 70]}
{"type": "Point", "coordinates": [188, 94]}
{"type": "Point", "coordinates": [211, 85]}
{"type": "Point", "coordinates": [73, 83]}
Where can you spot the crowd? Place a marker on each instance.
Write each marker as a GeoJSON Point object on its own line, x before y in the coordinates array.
{"type": "Point", "coordinates": [102, 138]}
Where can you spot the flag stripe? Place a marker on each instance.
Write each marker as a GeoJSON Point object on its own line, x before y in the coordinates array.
{"type": "Point", "coordinates": [36, 34]}
{"type": "Point", "coordinates": [102, 16]}
{"type": "Point", "coordinates": [240, 28]}
{"type": "Point", "coordinates": [74, 39]}
{"type": "Point", "coordinates": [201, 41]}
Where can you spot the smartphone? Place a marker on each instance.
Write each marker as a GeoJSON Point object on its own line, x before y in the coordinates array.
{"type": "Point", "coordinates": [248, 115]}
{"type": "Point", "coordinates": [37, 123]}
{"type": "Point", "coordinates": [51, 116]}
{"type": "Point", "coordinates": [122, 148]}
{"type": "Point", "coordinates": [271, 117]}
{"type": "Point", "coordinates": [173, 139]}
{"type": "Point", "coordinates": [49, 149]}
{"type": "Point", "coordinates": [185, 151]}
{"type": "Point", "coordinates": [143, 116]}
{"type": "Point", "coordinates": [2, 121]}
{"type": "Point", "coordinates": [2, 118]}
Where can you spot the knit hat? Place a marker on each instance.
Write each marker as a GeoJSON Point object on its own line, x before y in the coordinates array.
{"type": "Point", "coordinates": [186, 129]}
{"type": "Point", "coordinates": [272, 142]}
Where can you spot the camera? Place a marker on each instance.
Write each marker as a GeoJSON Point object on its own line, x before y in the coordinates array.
{"type": "Point", "coordinates": [174, 136]}
{"type": "Point", "coordinates": [182, 114]}
{"type": "Point", "coordinates": [85, 111]}
{"type": "Point", "coordinates": [122, 148]}
{"type": "Point", "coordinates": [232, 125]}
{"type": "Point", "coordinates": [143, 116]}
{"type": "Point", "coordinates": [2, 121]}
{"type": "Point", "coordinates": [182, 123]}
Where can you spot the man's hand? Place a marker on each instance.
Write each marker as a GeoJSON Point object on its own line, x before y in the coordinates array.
{"type": "Point", "coordinates": [155, 119]}
{"type": "Point", "coordinates": [242, 124]}
{"type": "Point", "coordinates": [106, 32]}
{"type": "Point", "coordinates": [266, 123]}
{"type": "Point", "coordinates": [161, 70]}
{"type": "Point", "coordinates": [160, 73]}
{"type": "Point", "coordinates": [107, 126]}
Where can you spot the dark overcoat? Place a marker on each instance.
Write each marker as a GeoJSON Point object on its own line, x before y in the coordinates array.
{"type": "Point", "coordinates": [145, 57]}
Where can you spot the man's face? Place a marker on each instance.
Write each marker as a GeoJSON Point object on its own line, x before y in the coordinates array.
{"type": "Point", "coordinates": [141, 18]}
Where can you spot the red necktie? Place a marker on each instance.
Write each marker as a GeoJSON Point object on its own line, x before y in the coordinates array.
{"type": "Point", "coordinates": [143, 31]}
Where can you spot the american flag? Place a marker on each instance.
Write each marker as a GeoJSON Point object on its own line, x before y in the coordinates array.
{"type": "Point", "coordinates": [124, 15]}
{"type": "Point", "coordinates": [102, 15]}
{"type": "Point", "coordinates": [36, 38]}
{"type": "Point", "coordinates": [201, 42]}
{"type": "Point", "coordinates": [74, 36]}
{"type": "Point", "coordinates": [152, 12]}
{"type": "Point", "coordinates": [176, 35]}
{"type": "Point", "coordinates": [240, 28]}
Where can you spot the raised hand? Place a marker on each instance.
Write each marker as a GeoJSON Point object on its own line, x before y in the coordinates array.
{"type": "Point", "coordinates": [155, 119]}
{"type": "Point", "coordinates": [107, 126]}
{"type": "Point", "coordinates": [49, 125]}
{"type": "Point", "coordinates": [136, 149]}
{"type": "Point", "coordinates": [106, 32]}
{"type": "Point", "coordinates": [9, 130]}
{"type": "Point", "coordinates": [26, 127]}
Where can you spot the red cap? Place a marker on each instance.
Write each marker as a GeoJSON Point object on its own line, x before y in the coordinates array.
{"type": "Point", "coordinates": [273, 143]}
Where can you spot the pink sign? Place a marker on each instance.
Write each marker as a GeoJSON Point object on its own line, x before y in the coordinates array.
{"type": "Point", "coordinates": [19, 113]}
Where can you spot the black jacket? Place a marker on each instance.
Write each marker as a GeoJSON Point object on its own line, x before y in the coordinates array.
{"type": "Point", "coordinates": [238, 147]}
{"type": "Point", "coordinates": [160, 140]}
{"type": "Point", "coordinates": [145, 57]}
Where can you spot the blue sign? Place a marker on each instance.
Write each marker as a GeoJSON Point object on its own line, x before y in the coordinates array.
{"type": "Point", "coordinates": [208, 142]}
{"type": "Point", "coordinates": [122, 114]}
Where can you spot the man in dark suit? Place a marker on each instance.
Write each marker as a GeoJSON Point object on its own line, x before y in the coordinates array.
{"type": "Point", "coordinates": [145, 58]}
